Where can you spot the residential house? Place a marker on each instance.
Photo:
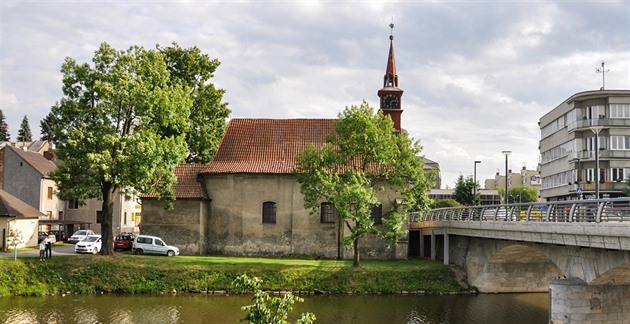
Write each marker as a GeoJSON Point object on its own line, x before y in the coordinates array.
{"type": "Point", "coordinates": [17, 217]}
{"type": "Point", "coordinates": [24, 173]}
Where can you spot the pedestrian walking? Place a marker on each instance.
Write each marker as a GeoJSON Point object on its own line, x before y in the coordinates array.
{"type": "Point", "coordinates": [42, 250]}
{"type": "Point", "coordinates": [48, 242]}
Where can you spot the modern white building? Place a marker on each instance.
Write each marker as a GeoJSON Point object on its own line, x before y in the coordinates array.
{"type": "Point", "coordinates": [588, 131]}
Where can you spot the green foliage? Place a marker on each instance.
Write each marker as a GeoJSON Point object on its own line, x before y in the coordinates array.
{"type": "Point", "coordinates": [14, 238]}
{"type": "Point", "coordinates": [124, 122]}
{"type": "Point", "coordinates": [267, 309]}
{"type": "Point", "coordinates": [45, 129]}
{"type": "Point", "coordinates": [443, 203]}
{"type": "Point", "coordinates": [24, 133]}
{"type": "Point", "coordinates": [144, 274]}
{"type": "Point", "coordinates": [522, 194]}
{"type": "Point", "coordinates": [364, 156]}
{"type": "Point", "coordinates": [4, 128]}
{"type": "Point", "coordinates": [207, 113]}
{"type": "Point", "coordinates": [463, 192]}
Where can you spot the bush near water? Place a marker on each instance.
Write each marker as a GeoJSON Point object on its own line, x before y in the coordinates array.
{"type": "Point", "coordinates": [131, 274]}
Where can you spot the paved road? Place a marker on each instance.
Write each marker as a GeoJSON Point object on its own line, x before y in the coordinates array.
{"type": "Point", "coordinates": [62, 249]}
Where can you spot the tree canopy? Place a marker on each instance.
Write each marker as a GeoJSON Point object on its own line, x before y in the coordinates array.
{"type": "Point", "coordinates": [24, 133]}
{"type": "Point", "coordinates": [45, 129]}
{"type": "Point", "coordinates": [4, 128]}
{"type": "Point", "coordinates": [364, 156]}
{"type": "Point", "coordinates": [522, 194]}
{"type": "Point", "coordinates": [121, 126]}
{"type": "Point", "coordinates": [466, 191]}
{"type": "Point", "coordinates": [207, 114]}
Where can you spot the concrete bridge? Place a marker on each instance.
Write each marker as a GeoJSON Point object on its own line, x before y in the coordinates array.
{"type": "Point", "coordinates": [578, 251]}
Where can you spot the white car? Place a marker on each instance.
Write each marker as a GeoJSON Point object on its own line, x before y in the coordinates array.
{"type": "Point", "coordinates": [90, 244]}
{"type": "Point", "coordinates": [79, 235]}
{"type": "Point", "coordinates": [152, 245]}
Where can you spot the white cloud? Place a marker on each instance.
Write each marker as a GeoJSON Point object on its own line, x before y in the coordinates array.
{"type": "Point", "coordinates": [477, 75]}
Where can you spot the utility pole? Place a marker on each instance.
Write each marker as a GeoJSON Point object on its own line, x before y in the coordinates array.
{"type": "Point", "coordinates": [603, 72]}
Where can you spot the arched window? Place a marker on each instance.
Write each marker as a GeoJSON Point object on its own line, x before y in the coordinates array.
{"type": "Point", "coordinates": [269, 212]}
{"type": "Point", "coordinates": [327, 213]}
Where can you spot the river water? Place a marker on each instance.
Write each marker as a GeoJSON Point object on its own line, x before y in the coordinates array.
{"type": "Point", "coordinates": [389, 309]}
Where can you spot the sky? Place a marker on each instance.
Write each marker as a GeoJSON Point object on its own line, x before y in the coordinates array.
{"type": "Point", "coordinates": [477, 75]}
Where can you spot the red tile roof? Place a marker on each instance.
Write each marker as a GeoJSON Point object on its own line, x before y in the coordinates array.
{"type": "Point", "coordinates": [187, 186]}
{"type": "Point", "coordinates": [254, 145]}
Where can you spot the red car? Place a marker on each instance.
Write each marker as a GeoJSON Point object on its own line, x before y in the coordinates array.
{"type": "Point", "coordinates": [123, 241]}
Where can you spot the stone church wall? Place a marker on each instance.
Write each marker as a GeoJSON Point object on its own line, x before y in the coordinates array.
{"type": "Point", "coordinates": [184, 226]}
{"type": "Point", "coordinates": [235, 223]}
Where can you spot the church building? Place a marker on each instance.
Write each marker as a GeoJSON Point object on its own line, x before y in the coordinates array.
{"type": "Point", "coordinates": [246, 201]}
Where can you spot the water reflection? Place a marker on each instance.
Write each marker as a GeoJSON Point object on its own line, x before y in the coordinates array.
{"type": "Point", "coordinates": [486, 309]}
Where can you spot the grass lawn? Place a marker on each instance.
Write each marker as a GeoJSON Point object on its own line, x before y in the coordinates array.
{"type": "Point", "coordinates": [128, 273]}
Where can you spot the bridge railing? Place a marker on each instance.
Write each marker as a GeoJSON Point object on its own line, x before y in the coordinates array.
{"type": "Point", "coordinates": [588, 210]}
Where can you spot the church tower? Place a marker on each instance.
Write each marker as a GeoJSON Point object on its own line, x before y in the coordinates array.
{"type": "Point", "coordinates": [390, 94]}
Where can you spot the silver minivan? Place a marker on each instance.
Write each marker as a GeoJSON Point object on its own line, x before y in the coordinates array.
{"type": "Point", "coordinates": [153, 245]}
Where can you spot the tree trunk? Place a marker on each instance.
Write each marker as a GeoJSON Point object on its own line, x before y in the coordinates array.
{"type": "Point", "coordinates": [107, 216]}
{"type": "Point", "coordinates": [355, 261]}
{"type": "Point", "coordinates": [339, 235]}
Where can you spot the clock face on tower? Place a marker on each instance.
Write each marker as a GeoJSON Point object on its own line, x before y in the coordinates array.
{"type": "Point", "coordinates": [390, 101]}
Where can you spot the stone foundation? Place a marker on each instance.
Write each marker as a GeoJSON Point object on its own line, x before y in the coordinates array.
{"type": "Point", "coordinates": [574, 301]}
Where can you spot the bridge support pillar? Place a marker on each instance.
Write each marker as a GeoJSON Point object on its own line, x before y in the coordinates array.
{"type": "Point", "coordinates": [422, 245]}
{"type": "Point", "coordinates": [433, 246]}
{"type": "Point", "coordinates": [573, 301]}
{"type": "Point", "coordinates": [446, 248]}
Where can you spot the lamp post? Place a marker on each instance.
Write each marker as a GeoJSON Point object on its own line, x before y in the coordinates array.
{"type": "Point", "coordinates": [475, 180]}
{"type": "Point", "coordinates": [596, 130]}
{"type": "Point", "coordinates": [506, 153]}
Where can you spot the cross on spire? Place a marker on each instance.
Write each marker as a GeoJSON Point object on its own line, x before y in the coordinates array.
{"type": "Point", "coordinates": [603, 72]}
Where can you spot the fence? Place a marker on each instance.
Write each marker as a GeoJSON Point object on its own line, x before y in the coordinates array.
{"type": "Point", "coordinates": [589, 210]}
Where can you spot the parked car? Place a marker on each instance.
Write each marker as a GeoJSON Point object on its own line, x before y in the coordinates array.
{"type": "Point", "coordinates": [123, 241]}
{"type": "Point", "coordinates": [79, 235]}
{"type": "Point", "coordinates": [60, 235]}
{"type": "Point", "coordinates": [43, 235]}
{"type": "Point", "coordinates": [90, 244]}
{"type": "Point", "coordinates": [153, 245]}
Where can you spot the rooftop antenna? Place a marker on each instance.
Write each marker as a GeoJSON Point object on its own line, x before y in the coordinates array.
{"type": "Point", "coordinates": [603, 72]}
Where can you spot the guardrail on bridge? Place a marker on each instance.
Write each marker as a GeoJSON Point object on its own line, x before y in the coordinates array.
{"type": "Point", "coordinates": [588, 210]}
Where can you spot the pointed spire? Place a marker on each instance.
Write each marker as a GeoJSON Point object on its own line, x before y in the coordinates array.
{"type": "Point", "coordinates": [391, 78]}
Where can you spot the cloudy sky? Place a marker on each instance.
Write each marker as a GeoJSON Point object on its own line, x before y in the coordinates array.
{"type": "Point", "coordinates": [477, 75]}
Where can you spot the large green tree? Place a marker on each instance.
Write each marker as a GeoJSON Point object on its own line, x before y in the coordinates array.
{"type": "Point", "coordinates": [363, 157]}
{"type": "Point", "coordinates": [24, 133]}
{"type": "Point", "coordinates": [121, 127]}
{"type": "Point", "coordinates": [207, 113]}
{"type": "Point", "coordinates": [45, 129]}
{"type": "Point", "coordinates": [4, 128]}
{"type": "Point", "coordinates": [466, 191]}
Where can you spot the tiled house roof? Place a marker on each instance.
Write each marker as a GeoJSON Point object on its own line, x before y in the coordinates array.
{"type": "Point", "coordinates": [266, 145]}
{"type": "Point", "coordinates": [187, 186]}
{"type": "Point", "coordinates": [13, 207]}
{"type": "Point", "coordinates": [36, 160]}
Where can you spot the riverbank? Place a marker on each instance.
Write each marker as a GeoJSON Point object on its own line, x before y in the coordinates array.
{"type": "Point", "coordinates": [131, 274]}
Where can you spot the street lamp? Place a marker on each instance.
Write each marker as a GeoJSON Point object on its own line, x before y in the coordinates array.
{"type": "Point", "coordinates": [475, 180]}
{"type": "Point", "coordinates": [596, 130]}
{"type": "Point", "coordinates": [506, 153]}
